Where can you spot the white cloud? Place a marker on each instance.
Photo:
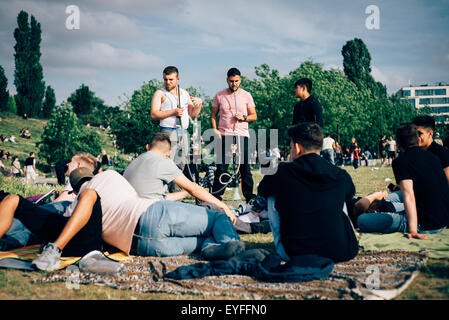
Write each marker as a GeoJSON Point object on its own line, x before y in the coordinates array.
{"type": "Point", "coordinates": [99, 55]}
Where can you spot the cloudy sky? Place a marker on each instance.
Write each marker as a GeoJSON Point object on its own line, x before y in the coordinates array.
{"type": "Point", "coordinates": [122, 44]}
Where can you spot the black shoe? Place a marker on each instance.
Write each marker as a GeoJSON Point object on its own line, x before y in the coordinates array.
{"type": "Point", "coordinates": [261, 227]}
{"type": "Point", "coordinates": [223, 251]}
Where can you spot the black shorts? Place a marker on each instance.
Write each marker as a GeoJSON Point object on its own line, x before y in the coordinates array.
{"type": "Point", "coordinates": [48, 226]}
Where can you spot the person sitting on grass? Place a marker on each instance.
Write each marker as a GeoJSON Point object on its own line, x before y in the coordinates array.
{"type": "Point", "coordinates": [426, 128]}
{"type": "Point", "coordinates": [424, 190]}
{"type": "Point", "coordinates": [306, 201]}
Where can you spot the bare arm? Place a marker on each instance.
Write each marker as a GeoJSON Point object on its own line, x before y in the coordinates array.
{"type": "Point", "coordinates": [194, 106]}
{"type": "Point", "coordinates": [200, 193]}
{"type": "Point", "coordinates": [79, 218]}
{"type": "Point", "coordinates": [410, 209]}
{"type": "Point", "coordinates": [65, 196]}
{"type": "Point", "coordinates": [213, 120]}
{"type": "Point", "coordinates": [363, 204]}
{"type": "Point", "coordinates": [176, 196]}
{"type": "Point", "coordinates": [157, 113]}
{"type": "Point", "coordinates": [252, 115]}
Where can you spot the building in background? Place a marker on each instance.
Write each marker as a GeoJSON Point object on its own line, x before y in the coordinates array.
{"type": "Point", "coordinates": [435, 97]}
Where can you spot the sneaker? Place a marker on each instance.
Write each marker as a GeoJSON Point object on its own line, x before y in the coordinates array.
{"type": "Point", "coordinates": [49, 258]}
{"type": "Point", "coordinates": [249, 218]}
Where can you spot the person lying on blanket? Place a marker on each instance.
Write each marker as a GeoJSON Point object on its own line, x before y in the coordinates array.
{"type": "Point", "coordinates": [306, 201]}
{"type": "Point", "coordinates": [107, 207]}
{"type": "Point", "coordinates": [18, 235]}
{"type": "Point", "coordinates": [424, 191]}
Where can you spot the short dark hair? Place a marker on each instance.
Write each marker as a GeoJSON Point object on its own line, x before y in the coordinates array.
{"type": "Point", "coordinates": [424, 121]}
{"type": "Point", "coordinates": [308, 134]}
{"type": "Point", "coordinates": [407, 135]}
{"type": "Point", "coordinates": [170, 69]}
{"type": "Point", "coordinates": [304, 82]}
{"type": "Point", "coordinates": [233, 72]}
{"type": "Point", "coordinates": [160, 137]}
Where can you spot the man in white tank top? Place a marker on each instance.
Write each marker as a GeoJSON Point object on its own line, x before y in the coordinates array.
{"type": "Point", "coordinates": [173, 106]}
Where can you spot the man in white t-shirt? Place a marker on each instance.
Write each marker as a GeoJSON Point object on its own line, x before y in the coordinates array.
{"type": "Point", "coordinates": [328, 149]}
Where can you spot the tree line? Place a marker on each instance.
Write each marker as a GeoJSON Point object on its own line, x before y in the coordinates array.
{"type": "Point", "coordinates": [354, 104]}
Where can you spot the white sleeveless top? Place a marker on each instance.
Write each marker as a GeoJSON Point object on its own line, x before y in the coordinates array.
{"type": "Point", "coordinates": [170, 103]}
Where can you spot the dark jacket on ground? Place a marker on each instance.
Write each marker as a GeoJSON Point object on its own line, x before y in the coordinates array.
{"type": "Point", "coordinates": [310, 194]}
{"type": "Point", "coordinates": [309, 110]}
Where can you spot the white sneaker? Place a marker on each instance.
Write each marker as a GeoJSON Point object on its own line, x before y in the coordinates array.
{"type": "Point", "coordinates": [249, 218]}
{"type": "Point", "coordinates": [49, 258]}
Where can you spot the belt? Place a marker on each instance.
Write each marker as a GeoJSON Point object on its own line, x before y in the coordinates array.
{"type": "Point", "coordinates": [173, 129]}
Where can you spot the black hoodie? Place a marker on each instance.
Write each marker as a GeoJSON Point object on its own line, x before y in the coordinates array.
{"type": "Point", "coordinates": [310, 194]}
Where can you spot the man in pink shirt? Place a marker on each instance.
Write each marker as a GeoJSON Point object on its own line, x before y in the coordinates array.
{"type": "Point", "coordinates": [236, 108]}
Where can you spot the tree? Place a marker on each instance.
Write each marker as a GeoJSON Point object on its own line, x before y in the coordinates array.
{"type": "Point", "coordinates": [64, 135]}
{"type": "Point", "coordinates": [357, 63]}
{"type": "Point", "coordinates": [133, 126]}
{"type": "Point", "coordinates": [82, 100]}
{"type": "Point", "coordinates": [49, 102]}
{"type": "Point", "coordinates": [4, 93]}
{"type": "Point", "coordinates": [28, 74]}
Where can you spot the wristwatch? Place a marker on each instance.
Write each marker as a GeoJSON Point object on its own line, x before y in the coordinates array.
{"type": "Point", "coordinates": [244, 117]}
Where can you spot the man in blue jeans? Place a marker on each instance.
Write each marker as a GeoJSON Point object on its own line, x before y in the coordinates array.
{"type": "Point", "coordinates": [423, 188]}
{"type": "Point", "coordinates": [306, 201]}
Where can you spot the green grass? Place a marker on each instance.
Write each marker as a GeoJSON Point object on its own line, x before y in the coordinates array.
{"type": "Point", "coordinates": [431, 283]}
{"type": "Point", "coordinates": [12, 124]}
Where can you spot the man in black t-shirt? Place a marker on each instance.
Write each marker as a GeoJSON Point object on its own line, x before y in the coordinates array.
{"type": "Point", "coordinates": [424, 189]}
{"type": "Point", "coordinates": [309, 108]}
{"type": "Point", "coordinates": [426, 129]}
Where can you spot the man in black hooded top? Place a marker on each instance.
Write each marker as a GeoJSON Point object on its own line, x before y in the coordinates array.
{"type": "Point", "coordinates": [310, 196]}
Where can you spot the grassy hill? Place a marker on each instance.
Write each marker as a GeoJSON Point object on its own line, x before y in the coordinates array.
{"type": "Point", "coordinates": [12, 124]}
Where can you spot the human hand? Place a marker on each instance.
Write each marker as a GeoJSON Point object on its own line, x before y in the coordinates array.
{"type": "Point", "coordinates": [178, 112]}
{"type": "Point", "coordinates": [230, 214]}
{"type": "Point", "coordinates": [217, 133]}
{"type": "Point", "coordinates": [416, 235]}
{"type": "Point", "coordinates": [197, 101]}
{"type": "Point", "coordinates": [239, 116]}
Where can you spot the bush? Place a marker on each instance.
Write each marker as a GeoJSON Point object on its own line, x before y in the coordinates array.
{"type": "Point", "coordinates": [64, 135]}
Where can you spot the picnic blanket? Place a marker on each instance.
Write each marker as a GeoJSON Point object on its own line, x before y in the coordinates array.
{"type": "Point", "coordinates": [21, 258]}
{"type": "Point", "coordinates": [370, 275]}
{"type": "Point", "coordinates": [437, 245]}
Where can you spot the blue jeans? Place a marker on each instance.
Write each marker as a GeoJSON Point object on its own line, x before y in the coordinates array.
{"type": "Point", "coordinates": [170, 228]}
{"type": "Point", "coordinates": [273, 216]}
{"type": "Point", "coordinates": [389, 222]}
{"type": "Point", "coordinates": [19, 236]}
{"type": "Point", "coordinates": [328, 154]}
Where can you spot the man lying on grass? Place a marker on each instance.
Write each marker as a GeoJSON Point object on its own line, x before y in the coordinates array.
{"type": "Point", "coordinates": [108, 208]}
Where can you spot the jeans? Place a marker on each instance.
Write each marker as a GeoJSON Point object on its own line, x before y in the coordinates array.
{"type": "Point", "coordinates": [19, 236]}
{"type": "Point", "coordinates": [48, 225]}
{"type": "Point", "coordinates": [170, 228]}
{"type": "Point", "coordinates": [273, 216]}
{"type": "Point", "coordinates": [328, 154]}
{"type": "Point", "coordinates": [389, 222]}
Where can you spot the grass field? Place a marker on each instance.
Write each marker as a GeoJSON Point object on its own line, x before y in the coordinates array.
{"type": "Point", "coordinates": [431, 283]}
